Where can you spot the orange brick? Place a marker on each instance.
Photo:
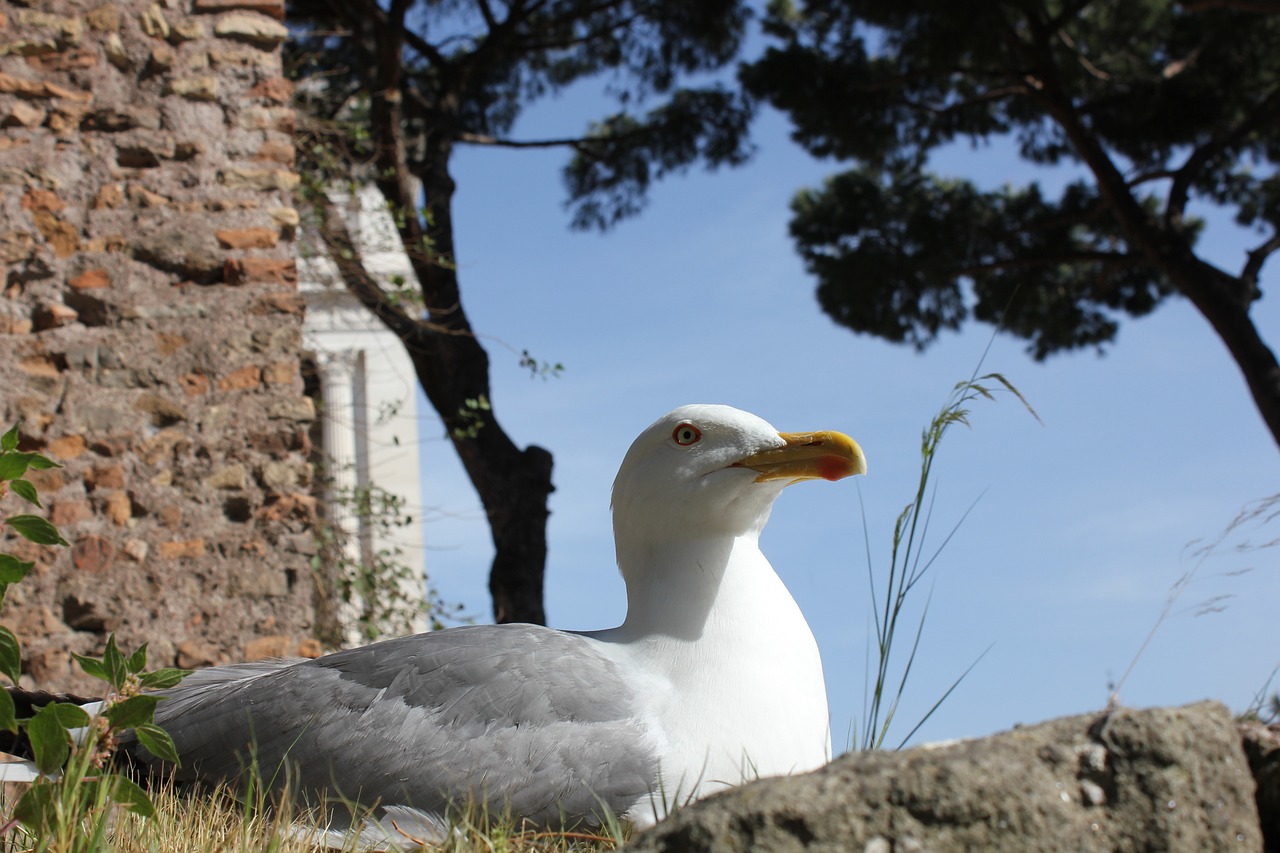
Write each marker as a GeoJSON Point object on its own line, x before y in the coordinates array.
{"type": "Point", "coordinates": [66, 447]}
{"type": "Point", "coordinates": [65, 513]}
{"type": "Point", "coordinates": [119, 508]}
{"type": "Point", "coordinates": [105, 477]}
{"type": "Point", "coordinates": [180, 549]}
{"type": "Point", "coordinates": [194, 384]}
{"type": "Point", "coordinates": [90, 279]}
{"type": "Point", "coordinates": [261, 270]}
{"type": "Point", "coordinates": [247, 238]}
{"type": "Point", "coordinates": [246, 377]}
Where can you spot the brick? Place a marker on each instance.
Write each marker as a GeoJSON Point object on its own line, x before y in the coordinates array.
{"type": "Point", "coordinates": [276, 89]}
{"type": "Point", "coordinates": [182, 548]}
{"type": "Point", "coordinates": [61, 235]}
{"type": "Point", "coordinates": [52, 315]}
{"type": "Point", "coordinates": [104, 19]}
{"type": "Point", "coordinates": [261, 271]}
{"type": "Point", "coordinates": [65, 513]}
{"type": "Point", "coordinates": [105, 477]}
{"type": "Point", "coordinates": [66, 447]}
{"type": "Point", "coordinates": [93, 554]}
{"type": "Point", "coordinates": [277, 152]}
{"type": "Point", "coordinates": [23, 88]}
{"type": "Point", "coordinates": [36, 199]}
{"type": "Point", "coordinates": [24, 115]}
{"type": "Point", "coordinates": [239, 178]}
{"type": "Point", "coordinates": [254, 29]}
{"type": "Point", "coordinates": [109, 196]}
{"type": "Point", "coordinates": [262, 648]}
{"type": "Point", "coordinates": [90, 279]}
{"type": "Point", "coordinates": [274, 8]}
{"type": "Point", "coordinates": [194, 384]}
{"type": "Point", "coordinates": [242, 379]}
{"type": "Point", "coordinates": [200, 88]}
{"type": "Point", "coordinates": [278, 303]}
{"type": "Point", "coordinates": [118, 508]}
{"type": "Point", "coordinates": [169, 515]}
{"type": "Point", "coordinates": [195, 654]}
{"type": "Point", "coordinates": [280, 373]}
{"type": "Point", "coordinates": [40, 365]}
{"type": "Point", "coordinates": [140, 196]}
{"type": "Point", "coordinates": [168, 343]}
{"type": "Point", "coordinates": [229, 477]}
{"type": "Point", "coordinates": [247, 238]}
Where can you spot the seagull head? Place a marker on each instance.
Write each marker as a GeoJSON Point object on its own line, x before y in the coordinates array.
{"type": "Point", "coordinates": [708, 471]}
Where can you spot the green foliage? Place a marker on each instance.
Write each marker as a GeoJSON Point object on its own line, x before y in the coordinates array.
{"type": "Point", "coordinates": [471, 69]}
{"type": "Point", "coordinates": [908, 566]}
{"type": "Point", "coordinates": [378, 582]}
{"type": "Point", "coordinates": [1159, 105]}
{"type": "Point", "coordinates": [69, 807]}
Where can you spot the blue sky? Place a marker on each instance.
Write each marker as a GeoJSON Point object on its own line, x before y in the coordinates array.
{"type": "Point", "coordinates": [1083, 522]}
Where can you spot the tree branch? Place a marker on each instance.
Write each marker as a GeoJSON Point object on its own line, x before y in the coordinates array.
{"type": "Point", "coordinates": [1180, 190]}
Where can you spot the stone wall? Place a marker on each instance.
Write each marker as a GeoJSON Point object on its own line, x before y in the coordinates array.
{"type": "Point", "coordinates": [150, 330]}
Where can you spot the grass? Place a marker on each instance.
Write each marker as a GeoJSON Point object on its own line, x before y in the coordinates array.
{"type": "Point", "coordinates": [215, 821]}
{"type": "Point", "coordinates": [909, 563]}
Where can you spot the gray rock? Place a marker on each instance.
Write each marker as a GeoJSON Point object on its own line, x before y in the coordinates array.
{"type": "Point", "coordinates": [1160, 779]}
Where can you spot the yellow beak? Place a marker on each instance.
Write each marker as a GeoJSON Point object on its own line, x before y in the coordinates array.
{"type": "Point", "coordinates": [823, 455]}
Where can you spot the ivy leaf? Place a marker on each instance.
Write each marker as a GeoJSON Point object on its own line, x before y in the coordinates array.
{"type": "Point", "coordinates": [12, 569]}
{"type": "Point", "coordinates": [70, 715]}
{"type": "Point", "coordinates": [163, 679]}
{"type": "Point", "coordinates": [9, 441]}
{"type": "Point", "coordinates": [36, 529]}
{"type": "Point", "coordinates": [8, 713]}
{"type": "Point", "coordinates": [37, 810]}
{"type": "Point", "coordinates": [25, 490]}
{"type": "Point", "coordinates": [127, 793]}
{"type": "Point", "coordinates": [134, 711]}
{"type": "Point", "coordinates": [137, 661]}
{"type": "Point", "coordinates": [113, 660]}
{"type": "Point", "coordinates": [49, 740]}
{"type": "Point", "coordinates": [39, 462]}
{"type": "Point", "coordinates": [92, 666]}
{"type": "Point", "coordinates": [13, 465]}
{"type": "Point", "coordinates": [10, 655]}
{"type": "Point", "coordinates": [157, 742]}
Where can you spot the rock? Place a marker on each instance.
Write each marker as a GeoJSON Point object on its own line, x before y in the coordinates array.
{"type": "Point", "coordinates": [254, 29]}
{"type": "Point", "coordinates": [1159, 779]}
{"type": "Point", "coordinates": [1262, 749]}
{"type": "Point", "coordinates": [230, 477]}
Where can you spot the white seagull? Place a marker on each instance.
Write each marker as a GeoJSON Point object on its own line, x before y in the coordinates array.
{"type": "Point", "coordinates": [713, 679]}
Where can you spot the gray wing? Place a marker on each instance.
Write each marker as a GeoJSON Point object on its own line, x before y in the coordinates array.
{"type": "Point", "coordinates": [515, 716]}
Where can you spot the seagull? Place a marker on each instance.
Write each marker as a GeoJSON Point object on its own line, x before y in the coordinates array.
{"type": "Point", "coordinates": [713, 679]}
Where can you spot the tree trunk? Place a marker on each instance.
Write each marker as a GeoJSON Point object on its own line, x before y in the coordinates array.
{"type": "Point", "coordinates": [451, 365]}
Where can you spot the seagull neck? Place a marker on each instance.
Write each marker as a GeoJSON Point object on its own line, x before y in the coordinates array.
{"type": "Point", "coordinates": [684, 589]}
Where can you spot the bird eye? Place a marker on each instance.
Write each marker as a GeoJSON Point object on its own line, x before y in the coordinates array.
{"type": "Point", "coordinates": [686, 434]}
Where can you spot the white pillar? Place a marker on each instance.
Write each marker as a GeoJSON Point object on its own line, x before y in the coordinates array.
{"type": "Point", "coordinates": [337, 370]}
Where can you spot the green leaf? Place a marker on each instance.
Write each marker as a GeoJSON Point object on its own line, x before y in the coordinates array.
{"type": "Point", "coordinates": [92, 666]}
{"type": "Point", "coordinates": [25, 490]}
{"type": "Point", "coordinates": [9, 441]}
{"type": "Point", "coordinates": [14, 465]}
{"type": "Point", "coordinates": [113, 660]}
{"type": "Point", "coordinates": [10, 655]}
{"type": "Point", "coordinates": [127, 793]}
{"type": "Point", "coordinates": [134, 711]}
{"type": "Point", "coordinates": [36, 529]}
{"type": "Point", "coordinates": [163, 679]}
{"type": "Point", "coordinates": [49, 740]}
{"type": "Point", "coordinates": [137, 661]}
{"type": "Point", "coordinates": [157, 742]}
{"type": "Point", "coordinates": [8, 713]}
{"type": "Point", "coordinates": [37, 810]}
{"type": "Point", "coordinates": [12, 569]}
{"type": "Point", "coordinates": [70, 715]}
{"type": "Point", "coordinates": [39, 462]}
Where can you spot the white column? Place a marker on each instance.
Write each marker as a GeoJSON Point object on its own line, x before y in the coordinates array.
{"type": "Point", "coordinates": [337, 388]}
